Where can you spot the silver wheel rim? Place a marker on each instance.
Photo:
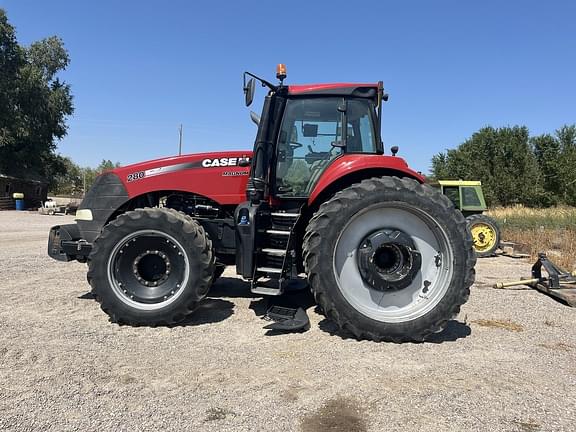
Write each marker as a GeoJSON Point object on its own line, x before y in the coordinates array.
{"type": "Point", "coordinates": [418, 298]}
{"type": "Point", "coordinates": [124, 296]}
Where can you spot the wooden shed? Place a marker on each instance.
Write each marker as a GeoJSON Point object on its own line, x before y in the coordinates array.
{"type": "Point", "coordinates": [35, 192]}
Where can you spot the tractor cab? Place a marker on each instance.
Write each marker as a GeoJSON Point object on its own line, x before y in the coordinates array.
{"type": "Point", "coordinates": [302, 131]}
{"type": "Point", "coordinates": [303, 128]}
{"type": "Point", "coordinates": [466, 195]}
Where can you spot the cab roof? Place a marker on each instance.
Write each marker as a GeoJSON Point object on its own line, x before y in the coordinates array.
{"type": "Point", "coordinates": [363, 90]}
{"type": "Point", "coordinates": [459, 183]}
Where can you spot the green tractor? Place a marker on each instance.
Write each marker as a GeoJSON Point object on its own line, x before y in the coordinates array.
{"type": "Point", "coordinates": [467, 196]}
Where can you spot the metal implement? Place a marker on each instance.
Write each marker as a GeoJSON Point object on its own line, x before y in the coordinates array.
{"type": "Point", "coordinates": [287, 319]}
{"type": "Point", "coordinates": [559, 283]}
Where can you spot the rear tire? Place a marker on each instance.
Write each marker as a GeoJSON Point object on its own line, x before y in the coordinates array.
{"type": "Point", "coordinates": [485, 234]}
{"type": "Point", "coordinates": [151, 266]}
{"type": "Point", "coordinates": [419, 282]}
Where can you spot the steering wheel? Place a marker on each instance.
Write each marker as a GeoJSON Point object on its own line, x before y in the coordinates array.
{"type": "Point", "coordinates": [295, 144]}
{"type": "Point", "coordinates": [314, 156]}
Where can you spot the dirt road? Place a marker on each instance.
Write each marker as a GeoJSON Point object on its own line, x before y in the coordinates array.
{"type": "Point", "coordinates": [507, 362]}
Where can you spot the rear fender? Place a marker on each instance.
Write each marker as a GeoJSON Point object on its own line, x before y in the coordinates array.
{"type": "Point", "coordinates": [353, 168]}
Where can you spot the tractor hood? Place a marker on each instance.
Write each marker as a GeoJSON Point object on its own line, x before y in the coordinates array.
{"type": "Point", "coordinates": [217, 175]}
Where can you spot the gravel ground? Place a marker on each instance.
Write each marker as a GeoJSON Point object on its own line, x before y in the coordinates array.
{"type": "Point", "coordinates": [506, 363]}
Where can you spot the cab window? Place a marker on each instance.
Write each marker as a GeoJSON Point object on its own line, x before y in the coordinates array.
{"type": "Point", "coordinates": [470, 197]}
{"type": "Point", "coordinates": [453, 193]}
{"type": "Point", "coordinates": [311, 137]}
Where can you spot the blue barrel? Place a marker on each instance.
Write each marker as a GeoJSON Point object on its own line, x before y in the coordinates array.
{"type": "Point", "coordinates": [20, 205]}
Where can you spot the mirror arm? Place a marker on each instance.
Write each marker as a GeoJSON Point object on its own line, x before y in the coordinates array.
{"type": "Point", "coordinates": [263, 81]}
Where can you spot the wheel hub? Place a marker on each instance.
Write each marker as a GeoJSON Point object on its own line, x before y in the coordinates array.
{"type": "Point", "coordinates": [149, 268]}
{"type": "Point", "coordinates": [388, 260]}
{"type": "Point", "coordinates": [483, 236]}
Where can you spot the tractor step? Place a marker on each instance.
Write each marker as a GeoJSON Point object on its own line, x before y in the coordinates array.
{"type": "Point", "coordinates": [268, 287]}
{"type": "Point", "coordinates": [269, 270]}
{"type": "Point", "coordinates": [286, 215]}
{"type": "Point", "coordinates": [266, 290]}
{"type": "Point", "coordinates": [277, 232]}
{"type": "Point", "coordinates": [275, 252]}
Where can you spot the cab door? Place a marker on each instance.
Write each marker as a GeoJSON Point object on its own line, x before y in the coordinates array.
{"type": "Point", "coordinates": [311, 137]}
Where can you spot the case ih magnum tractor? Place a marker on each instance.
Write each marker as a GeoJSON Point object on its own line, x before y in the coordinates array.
{"type": "Point", "coordinates": [386, 257]}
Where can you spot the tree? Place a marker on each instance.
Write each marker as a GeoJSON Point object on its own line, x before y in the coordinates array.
{"type": "Point", "coordinates": [68, 182]}
{"type": "Point", "coordinates": [74, 178]}
{"type": "Point", "coordinates": [34, 105]}
{"type": "Point", "coordinates": [502, 158]}
{"type": "Point", "coordinates": [90, 174]}
{"type": "Point", "coordinates": [547, 152]}
{"type": "Point", "coordinates": [567, 163]}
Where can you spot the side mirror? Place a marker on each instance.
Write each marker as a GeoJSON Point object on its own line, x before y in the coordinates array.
{"type": "Point", "coordinates": [255, 117]}
{"type": "Point", "coordinates": [249, 91]}
{"type": "Point", "coordinates": [394, 150]}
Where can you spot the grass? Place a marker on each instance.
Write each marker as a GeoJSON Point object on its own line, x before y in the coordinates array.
{"type": "Point", "coordinates": [551, 230]}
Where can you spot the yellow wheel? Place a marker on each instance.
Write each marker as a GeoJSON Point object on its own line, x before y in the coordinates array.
{"type": "Point", "coordinates": [485, 234]}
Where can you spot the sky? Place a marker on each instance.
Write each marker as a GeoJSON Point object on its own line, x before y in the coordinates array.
{"type": "Point", "coordinates": [139, 69]}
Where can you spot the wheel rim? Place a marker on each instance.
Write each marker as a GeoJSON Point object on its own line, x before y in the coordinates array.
{"type": "Point", "coordinates": [148, 269]}
{"type": "Point", "coordinates": [422, 292]}
{"type": "Point", "coordinates": [484, 236]}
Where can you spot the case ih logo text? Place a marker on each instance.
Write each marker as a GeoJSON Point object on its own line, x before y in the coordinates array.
{"type": "Point", "coordinates": [220, 162]}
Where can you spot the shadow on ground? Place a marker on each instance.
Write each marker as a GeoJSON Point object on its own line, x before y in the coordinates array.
{"type": "Point", "coordinates": [453, 331]}
{"type": "Point", "coordinates": [210, 310]}
{"type": "Point", "coordinates": [216, 309]}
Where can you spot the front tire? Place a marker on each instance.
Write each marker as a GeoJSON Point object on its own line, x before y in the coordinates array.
{"type": "Point", "coordinates": [151, 266]}
{"type": "Point", "coordinates": [389, 259]}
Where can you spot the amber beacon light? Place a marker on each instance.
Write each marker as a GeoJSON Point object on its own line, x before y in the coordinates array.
{"type": "Point", "coordinates": [281, 71]}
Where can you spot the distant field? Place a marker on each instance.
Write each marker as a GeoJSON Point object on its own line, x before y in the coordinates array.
{"type": "Point", "coordinates": [551, 230]}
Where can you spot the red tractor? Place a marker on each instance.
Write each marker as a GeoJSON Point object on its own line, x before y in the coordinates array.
{"type": "Point", "coordinates": [386, 256]}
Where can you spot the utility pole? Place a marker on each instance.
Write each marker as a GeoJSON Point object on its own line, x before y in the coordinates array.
{"type": "Point", "coordinates": [180, 144]}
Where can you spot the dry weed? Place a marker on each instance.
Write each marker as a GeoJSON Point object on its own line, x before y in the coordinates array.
{"type": "Point", "coordinates": [501, 324]}
{"type": "Point", "coordinates": [551, 230]}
